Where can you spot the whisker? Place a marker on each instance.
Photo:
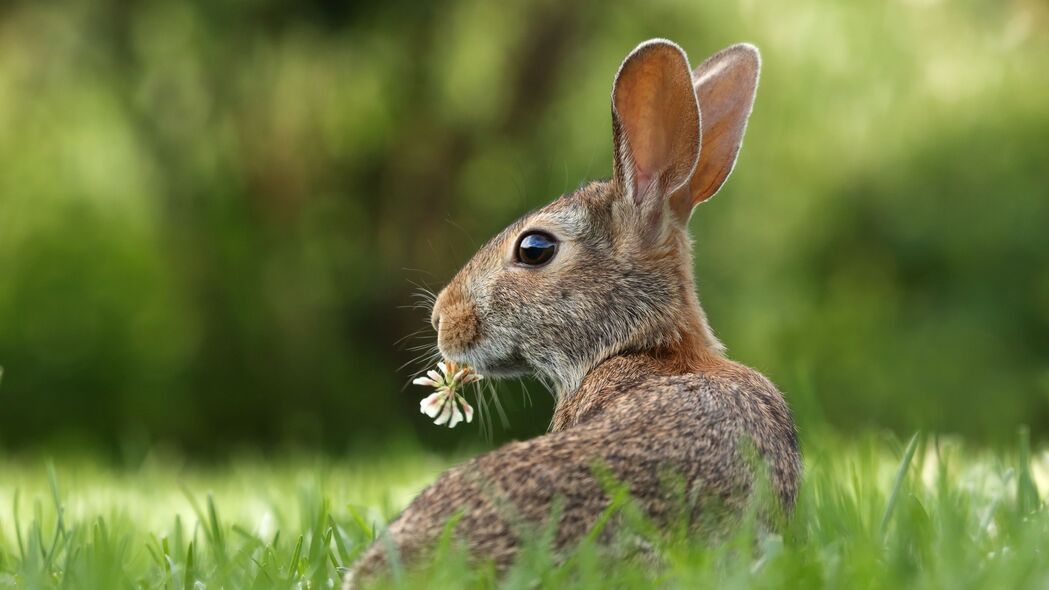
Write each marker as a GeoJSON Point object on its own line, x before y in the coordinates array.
{"type": "Point", "coordinates": [425, 359]}
{"type": "Point", "coordinates": [419, 373]}
{"type": "Point", "coordinates": [484, 420]}
{"type": "Point", "coordinates": [418, 270]}
{"type": "Point", "coordinates": [430, 355]}
{"type": "Point", "coordinates": [419, 306]}
{"type": "Point", "coordinates": [420, 347]}
{"type": "Point", "coordinates": [414, 334]}
{"type": "Point", "coordinates": [526, 395]}
{"type": "Point", "coordinates": [503, 419]}
{"type": "Point", "coordinates": [466, 233]}
{"type": "Point", "coordinates": [422, 290]}
{"type": "Point", "coordinates": [421, 303]}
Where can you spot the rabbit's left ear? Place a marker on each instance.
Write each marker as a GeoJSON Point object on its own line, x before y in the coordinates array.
{"type": "Point", "coordinates": [725, 84]}
{"type": "Point", "coordinates": [655, 123]}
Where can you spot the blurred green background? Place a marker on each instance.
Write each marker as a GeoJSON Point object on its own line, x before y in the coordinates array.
{"type": "Point", "coordinates": [213, 214]}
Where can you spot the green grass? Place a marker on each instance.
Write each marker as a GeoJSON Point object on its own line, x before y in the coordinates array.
{"type": "Point", "coordinates": [874, 513]}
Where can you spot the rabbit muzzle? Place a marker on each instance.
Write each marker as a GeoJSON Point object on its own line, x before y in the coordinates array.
{"type": "Point", "coordinates": [455, 320]}
{"type": "Point", "coordinates": [461, 337]}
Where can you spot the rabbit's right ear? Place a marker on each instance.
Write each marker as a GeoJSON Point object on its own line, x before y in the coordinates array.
{"type": "Point", "coordinates": [655, 124]}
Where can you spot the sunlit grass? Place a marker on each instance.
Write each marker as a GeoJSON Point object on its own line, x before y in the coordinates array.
{"type": "Point", "coordinates": [876, 513]}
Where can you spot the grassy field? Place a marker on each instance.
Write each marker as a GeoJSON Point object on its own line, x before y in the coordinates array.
{"type": "Point", "coordinates": [874, 513]}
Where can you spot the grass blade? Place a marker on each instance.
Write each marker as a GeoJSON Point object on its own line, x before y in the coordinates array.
{"type": "Point", "coordinates": [1026, 491]}
{"type": "Point", "coordinates": [901, 475]}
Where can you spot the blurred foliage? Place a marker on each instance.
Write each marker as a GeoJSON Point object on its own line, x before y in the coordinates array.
{"type": "Point", "coordinates": [213, 215]}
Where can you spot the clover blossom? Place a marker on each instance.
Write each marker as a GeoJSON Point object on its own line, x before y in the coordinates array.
{"type": "Point", "coordinates": [443, 405]}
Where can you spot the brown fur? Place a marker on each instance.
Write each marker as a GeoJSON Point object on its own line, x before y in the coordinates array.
{"type": "Point", "coordinates": [614, 325]}
{"type": "Point", "coordinates": [460, 324]}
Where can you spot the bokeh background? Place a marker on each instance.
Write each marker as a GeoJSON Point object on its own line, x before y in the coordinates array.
{"type": "Point", "coordinates": [213, 214]}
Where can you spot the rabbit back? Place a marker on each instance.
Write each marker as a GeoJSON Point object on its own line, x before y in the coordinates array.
{"type": "Point", "coordinates": [646, 433]}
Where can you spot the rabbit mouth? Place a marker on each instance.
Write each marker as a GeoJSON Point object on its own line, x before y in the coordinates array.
{"type": "Point", "coordinates": [508, 364]}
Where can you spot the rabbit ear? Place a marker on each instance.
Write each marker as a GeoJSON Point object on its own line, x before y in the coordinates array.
{"type": "Point", "coordinates": [725, 84]}
{"type": "Point", "coordinates": [655, 122]}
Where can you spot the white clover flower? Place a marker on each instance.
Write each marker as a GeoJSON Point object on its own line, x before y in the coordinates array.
{"type": "Point", "coordinates": [444, 404]}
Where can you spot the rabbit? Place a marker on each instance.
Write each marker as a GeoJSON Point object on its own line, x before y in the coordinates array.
{"type": "Point", "coordinates": [594, 294]}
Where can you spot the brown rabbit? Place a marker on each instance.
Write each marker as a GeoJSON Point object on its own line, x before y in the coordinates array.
{"type": "Point", "coordinates": [594, 294]}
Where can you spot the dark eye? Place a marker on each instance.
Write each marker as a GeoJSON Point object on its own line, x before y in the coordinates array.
{"type": "Point", "coordinates": [536, 248]}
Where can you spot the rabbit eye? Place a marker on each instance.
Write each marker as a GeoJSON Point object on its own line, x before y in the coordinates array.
{"type": "Point", "coordinates": [536, 248]}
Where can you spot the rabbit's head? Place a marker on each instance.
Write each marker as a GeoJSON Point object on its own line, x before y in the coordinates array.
{"type": "Point", "coordinates": [607, 269]}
